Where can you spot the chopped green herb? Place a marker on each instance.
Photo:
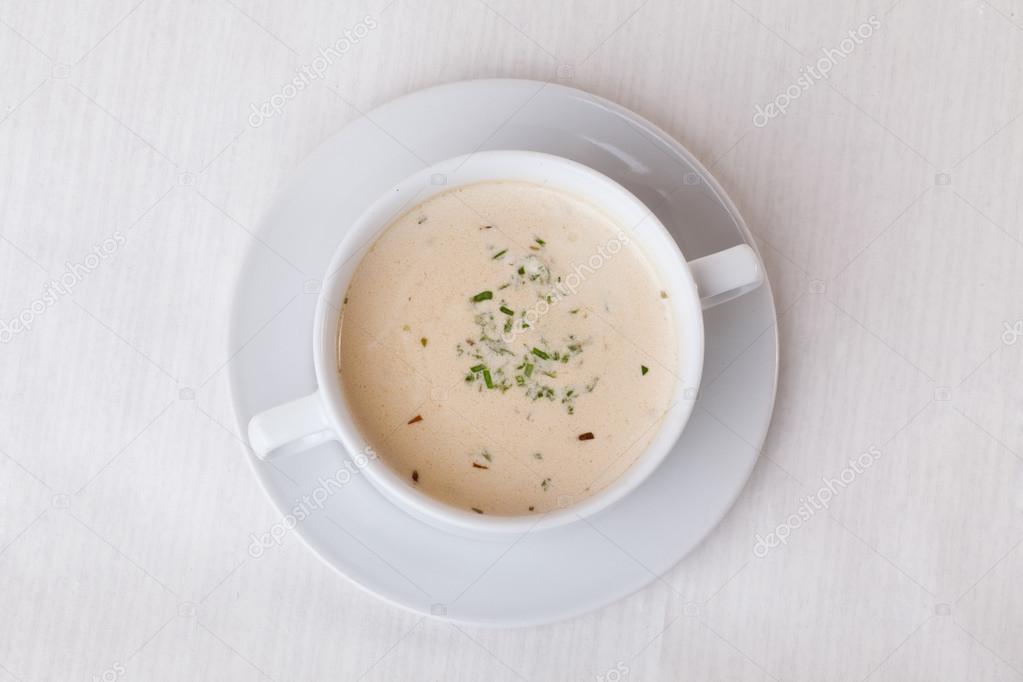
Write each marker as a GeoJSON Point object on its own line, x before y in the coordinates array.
{"type": "Point", "coordinates": [528, 370]}
{"type": "Point", "coordinates": [537, 455]}
{"type": "Point", "coordinates": [487, 379]}
{"type": "Point", "coordinates": [545, 483]}
{"type": "Point", "coordinates": [644, 369]}
{"type": "Point", "coordinates": [540, 241]}
{"type": "Point", "coordinates": [499, 254]}
{"type": "Point", "coordinates": [574, 311]}
{"type": "Point", "coordinates": [506, 310]}
{"type": "Point", "coordinates": [423, 341]}
{"type": "Point", "coordinates": [483, 296]}
{"type": "Point", "coordinates": [477, 368]}
{"type": "Point", "coordinates": [540, 354]}
{"type": "Point", "coordinates": [522, 270]}
{"type": "Point", "coordinates": [486, 455]}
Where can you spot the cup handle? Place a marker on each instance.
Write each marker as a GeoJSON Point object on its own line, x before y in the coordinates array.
{"type": "Point", "coordinates": [292, 427]}
{"type": "Point", "coordinates": [726, 274]}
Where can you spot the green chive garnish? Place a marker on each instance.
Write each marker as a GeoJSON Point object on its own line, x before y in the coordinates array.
{"type": "Point", "coordinates": [477, 368]}
{"type": "Point", "coordinates": [540, 354]}
{"type": "Point", "coordinates": [499, 254]}
{"type": "Point", "coordinates": [522, 270]}
{"type": "Point", "coordinates": [487, 378]}
{"type": "Point", "coordinates": [506, 310]}
{"type": "Point", "coordinates": [483, 296]}
{"type": "Point", "coordinates": [644, 369]}
{"type": "Point", "coordinates": [540, 241]}
{"type": "Point", "coordinates": [528, 370]}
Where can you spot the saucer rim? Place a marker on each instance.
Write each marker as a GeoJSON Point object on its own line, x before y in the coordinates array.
{"type": "Point", "coordinates": [630, 118]}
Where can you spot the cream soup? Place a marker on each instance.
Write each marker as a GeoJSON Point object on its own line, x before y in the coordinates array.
{"type": "Point", "coordinates": [506, 349]}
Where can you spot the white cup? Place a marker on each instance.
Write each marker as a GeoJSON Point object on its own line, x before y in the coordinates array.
{"type": "Point", "coordinates": [692, 286]}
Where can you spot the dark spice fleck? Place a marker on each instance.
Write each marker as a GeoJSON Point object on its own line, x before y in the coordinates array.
{"type": "Point", "coordinates": [417, 418]}
{"type": "Point", "coordinates": [415, 476]}
{"type": "Point", "coordinates": [644, 369]}
{"type": "Point", "coordinates": [586, 436]}
{"type": "Point", "coordinates": [531, 507]}
{"type": "Point", "coordinates": [476, 465]}
{"type": "Point", "coordinates": [478, 511]}
{"type": "Point", "coordinates": [423, 341]}
{"type": "Point", "coordinates": [422, 219]}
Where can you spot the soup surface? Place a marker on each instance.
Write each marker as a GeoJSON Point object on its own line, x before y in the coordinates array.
{"type": "Point", "coordinates": [506, 349]}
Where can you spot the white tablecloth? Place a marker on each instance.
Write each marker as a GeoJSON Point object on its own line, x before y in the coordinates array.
{"type": "Point", "coordinates": [874, 148]}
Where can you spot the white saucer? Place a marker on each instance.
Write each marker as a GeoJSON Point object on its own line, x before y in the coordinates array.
{"type": "Point", "coordinates": [544, 575]}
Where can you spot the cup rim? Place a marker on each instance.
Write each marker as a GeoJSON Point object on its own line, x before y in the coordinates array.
{"type": "Point", "coordinates": [363, 233]}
